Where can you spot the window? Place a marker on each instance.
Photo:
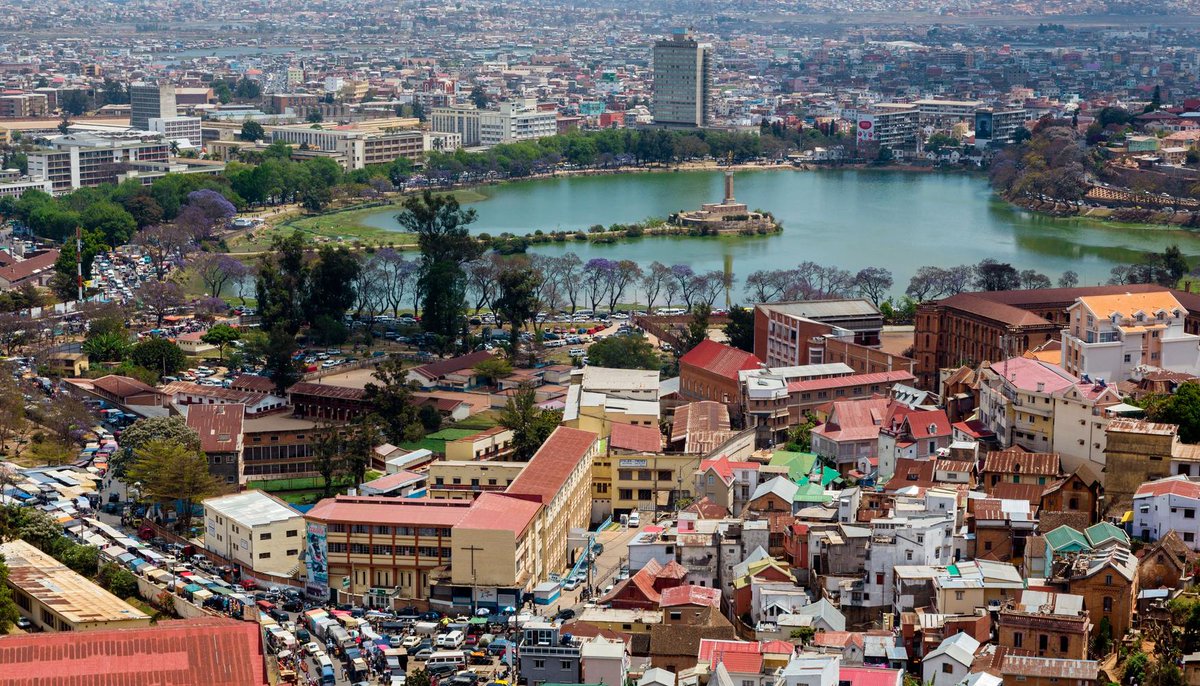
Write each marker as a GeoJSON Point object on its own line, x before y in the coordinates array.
{"type": "Point", "coordinates": [565, 664]}
{"type": "Point", "coordinates": [1018, 639]}
{"type": "Point", "coordinates": [293, 552]}
{"type": "Point", "coordinates": [539, 664]}
{"type": "Point", "coordinates": [264, 556]}
{"type": "Point", "coordinates": [879, 578]}
{"type": "Point", "coordinates": [292, 533]}
{"type": "Point", "coordinates": [1108, 579]}
{"type": "Point", "coordinates": [959, 595]}
{"type": "Point", "coordinates": [1063, 644]}
{"type": "Point", "coordinates": [1108, 603]}
{"type": "Point", "coordinates": [264, 536]}
{"type": "Point", "coordinates": [947, 668]}
{"type": "Point", "coordinates": [1189, 513]}
{"type": "Point", "coordinates": [675, 615]}
{"type": "Point", "coordinates": [1043, 641]}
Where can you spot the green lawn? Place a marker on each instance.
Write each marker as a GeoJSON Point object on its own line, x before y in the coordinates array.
{"type": "Point", "coordinates": [436, 442]}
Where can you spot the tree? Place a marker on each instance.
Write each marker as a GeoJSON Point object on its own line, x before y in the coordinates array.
{"type": "Point", "coordinates": [107, 347]}
{"type": "Point", "coordinates": [493, 369]}
{"type": "Point", "coordinates": [173, 475]}
{"type": "Point", "coordinates": [245, 89]}
{"type": "Point", "coordinates": [117, 580]}
{"type": "Point", "coordinates": [206, 209]}
{"type": "Point", "coordinates": [172, 429]}
{"type": "Point", "coordinates": [1182, 408]}
{"type": "Point", "coordinates": [328, 446]}
{"type": "Point", "coordinates": [73, 103]}
{"type": "Point", "coordinates": [8, 607]}
{"type": "Point", "coordinates": [159, 355]}
{"type": "Point", "coordinates": [279, 364]}
{"type": "Point", "coordinates": [697, 330]}
{"type": "Point", "coordinates": [991, 275]}
{"type": "Point", "coordinates": [51, 452]}
{"type": "Point", "coordinates": [360, 445]}
{"type": "Point", "coordinates": [392, 401]}
{"type": "Point", "coordinates": [283, 281]}
{"type": "Point", "coordinates": [1069, 279]}
{"type": "Point", "coordinates": [873, 283]}
{"type": "Point", "coordinates": [109, 220]}
{"type": "Point", "coordinates": [740, 329]}
{"type": "Point", "coordinates": [144, 209]}
{"type": "Point", "coordinates": [517, 299]}
{"type": "Point", "coordinates": [530, 424]}
{"type": "Point", "coordinates": [624, 352]}
{"type": "Point", "coordinates": [1031, 279]}
{"type": "Point", "coordinates": [164, 244]}
{"type": "Point", "coordinates": [217, 269]}
{"type": "Point", "coordinates": [446, 245]}
{"type": "Point", "coordinates": [67, 417]}
{"type": "Point", "coordinates": [800, 436]}
{"type": "Point", "coordinates": [252, 131]}
{"type": "Point", "coordinates": [221, 336]}
{"type": "Point", "coordinates": [12, 412]}
{"type": "Point", "coordinates": [479, 97]}
{"type": "Point", "coordinates": [653, 282]}
{"type": "Point", "coordinates": [331, 291]}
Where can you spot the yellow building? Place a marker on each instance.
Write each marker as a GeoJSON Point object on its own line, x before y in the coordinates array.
{"type": "Point", "coordinates": [495, 443]}
{"type": "Point", "coordinates": [623, 621]}
{"type": "Point", "coordinates": [55, 598]}
{"type": "Point", "coordinates": [465, 480]}
{"type": "Point", "coordinates": [498, 544]}
{"type": "Point", "coordinates": [648, 481]}
{"type": "Point", "coordinates": [600, 397]}
{"type": "Point", "coordinates": [558, 476]}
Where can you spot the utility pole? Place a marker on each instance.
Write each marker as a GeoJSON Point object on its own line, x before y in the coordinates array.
{"type": "Point", "coordinates": [474, 590]}
{"type": "Point", "coordinates": [78, 262]}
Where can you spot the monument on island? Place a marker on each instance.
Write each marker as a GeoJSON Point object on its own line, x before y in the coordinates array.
{"type": "Point", "coordinates": [727, 216]}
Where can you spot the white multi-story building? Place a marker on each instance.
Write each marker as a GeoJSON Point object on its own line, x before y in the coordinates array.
{"type": "Point", "coordinates": [1080, 422]}
{"type": "Point", "coordinates": [82, 160]}
{"type": "Point", "coordinates": [461, 119]}
{"type": "Point", "coordinates": [516, 121]}
{"type": "Point", "coordinates": [682, 80]}
{"type": "Point", "coordinates": [924, 537]}
{"type": "Point", "coordinates": [256, 530]}
{"type": "Point", "coordinates": [1107, 336]}
{"type": "Point", "coordinates": [890, 125]}
{"type": "Point", "coordinates": [150, 100]}
{"type": "Point", "coordinates": [352, 148]}
{"type": "Point", "coordinates": [1165, 505]}
{"type": "Point", "coordinates": [178, 129]}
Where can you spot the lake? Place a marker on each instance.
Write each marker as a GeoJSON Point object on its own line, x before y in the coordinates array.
{"type": "Point", "coordinates": [846, 218]}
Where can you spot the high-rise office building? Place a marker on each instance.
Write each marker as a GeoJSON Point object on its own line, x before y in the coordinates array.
{"type": "Point", "coordinates": [150, 101]}
{"type": "Point", "coordinates": [682, 80]}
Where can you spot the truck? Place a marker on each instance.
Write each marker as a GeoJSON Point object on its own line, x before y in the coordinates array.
{"type": "Point", "coordinates": [425, 628]}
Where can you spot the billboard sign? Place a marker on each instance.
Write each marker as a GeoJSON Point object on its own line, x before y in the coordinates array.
{"type": "Point", "coordinates": [316, 561]}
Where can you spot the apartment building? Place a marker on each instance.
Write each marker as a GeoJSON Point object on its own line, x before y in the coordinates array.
{"type": "Point", "coordinates": [352, 147]}
{"type": "Point", "coordinates": [497, 546]}
{"type": "Point", "coordinates": [380, 547]}
{"type": "Point", "coordinates": [148, 101]}
{"type": "Point", "coordinates": [516, 121]}
{"type": "Point", "coordinates": [468, 479]}
{"type": "Point", "coordinates": [1108, 336]}
{"type": "Point", "coordinates": [1053, 625]}
{"type": "Point", "coordinates": [682, 81]}
{"type": "Point", "coordinates": [944, 114]}
{"type": "Point", "coordinates": [996, 127]}
{"type": "Point", "coordinates": [23, 106]}
{"type": "Point", "coordinates": [1166, 505]}
{"type": "Point", "coordinates": [80, 160]}
{"type": "Point", "coordinates": [559, 477]}
{"type": "Point", "coordinates": [458, 119]}
{"type": "Point", "coordinates": [256, 530]}
{"type": "Point", "coordinates": [970, 328]}
{"type": "Point", "coordinates": [784, 332]}
{"type": "Point", "coordinates": [890, 125]}
{"type": "Point", "coordinates": [1016, 401]}
{"type": "Point", "coordinates": [178, 129]}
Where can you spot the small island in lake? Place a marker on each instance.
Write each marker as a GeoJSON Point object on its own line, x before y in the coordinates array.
{"type": "Point", "coordinates": [727, 216]}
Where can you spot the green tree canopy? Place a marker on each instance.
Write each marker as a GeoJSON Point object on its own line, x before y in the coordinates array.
{"type": "Point", "coordinates": [393, 403]}
{"type": "Point", "coordinates": [141, 432]}
{"type": "Point", "coordinates": [174, 476]}
{"type": "Point", "coordinates": [740, 329]}
{"type": "Point", "coordinates": [158, 354]}
{"type": "Point", "coordinates": [530, 424]}
{"type": "Point", "coordinates": [624, 352]}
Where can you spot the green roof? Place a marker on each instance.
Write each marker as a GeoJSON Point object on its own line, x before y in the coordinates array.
{"type": "Point", "coordinates": [799, 465]}
{"type": "Point", "coordinates": [1099, 533]}
{"type": "Point", "coordinates": [830, 475]}
{"type": "Point", "coordinates": [810, 492]}
{"type": "Point", "coordinates": [1064, 537]}
{"type": "Point", "coordinates": [436, 442]}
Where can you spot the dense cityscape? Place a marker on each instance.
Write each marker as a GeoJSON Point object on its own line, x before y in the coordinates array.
{"type": "Point", "coordinates": [642, 344]}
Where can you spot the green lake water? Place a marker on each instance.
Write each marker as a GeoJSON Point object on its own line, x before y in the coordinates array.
{"type": "Point", "coordinates": [851, 219]}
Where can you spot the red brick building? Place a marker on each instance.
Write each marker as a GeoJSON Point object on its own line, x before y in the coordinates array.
{"type": "Point", "coordinates": [710, 372]}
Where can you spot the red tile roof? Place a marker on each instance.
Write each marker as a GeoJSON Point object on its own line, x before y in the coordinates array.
{"type": "Point", "coordinates": [724, 467]}
{"type": "Point", "coordinates": [219, 426]}
{"type": "Point", "coordinates": [498, 512]}
{"type": "Point", "coordinates": [436, 370]}
{"type": "Point", "coordinates": [322, 390]}
{"type": "Point", "coordinates": [867, 676]}
{"type": "Point", "coordinates": [552, 464]}
{"type": "Point", "coordinates": [253, 382]}
{"type": "Point", "coordinates": [209, 651]}
{"type": "Point", "coordinates": [855, 420]}
{"type": "Point", "coordinates": [720, 359]}
{"type": "Point", "coordinates": [910, 472]}
{"type": "Point", "coordinates": [710, 647]}
{"type": "Point", "coordinates": [17, 271]}
{"type": "Point", "coordinates": [850, 381]}
{"type": "Point", "coordinates": [394, 511]}
{"type": "Point", "coordinates": [1172, 486]}
{"type": "Point", "coordinates": [1013, 462]}
{"type": "Point", "coordinates": [643, 439]}
{"type": "Point", "coordinates": [690, 595]}
{"type": "Point", "coordinates": [1027, 374]}
{"type": "Point", "coordinates": [122, 386]}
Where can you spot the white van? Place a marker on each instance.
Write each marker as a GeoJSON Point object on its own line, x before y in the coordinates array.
{"type": "Point", "coordinates": [447, 657]}
{"type": "Point", "coordinates": [635, 520]}
{"type": "Point", "coordinates": [451, 640]}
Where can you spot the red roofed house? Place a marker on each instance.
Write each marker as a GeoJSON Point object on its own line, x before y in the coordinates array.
{"type": "Point", "coordinates": [915, 434]}
{"type": "Point", "coordinates": [870, 676]}
{"type": "Point", "coordinates": [742, 659]}
{"type": "Point", "coordinates": [220, 429]}
{"type": "Point", "coordinates": [710, 372]}
{"type": "Point", "coordinates": [1166, 505]}
{"type": "Point", "coordinates": [643, 590]}
{"type": "Point", "coordinates": [35, 269]}
{"type": "Point", "coordinates": [559, 477]}
{"type": "Point", "coordinates": [851, 432]}
{"type": "Point", "coordinates": [327, 401]}
{"type": "Point", "coordinates": [1020, 467]}
{"type": "Point", "coordinates": [629, 438]}
{"type": "Point", "coordinates": [807, 396]}
{"type": "Point", "coordinates": [498, 545]}
{"type": "Point", "coordinates": [210, 651]}
{"type": "Point", "coordinates": [727, 483]}
{"type": "Point", "coordinates": [455, 373]}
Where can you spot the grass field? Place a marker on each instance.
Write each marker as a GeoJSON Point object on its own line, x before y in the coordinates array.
{"type": "Point", "coordinates": [436, 442]}
{"type": "Point", "coordinates": [339, 225]}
